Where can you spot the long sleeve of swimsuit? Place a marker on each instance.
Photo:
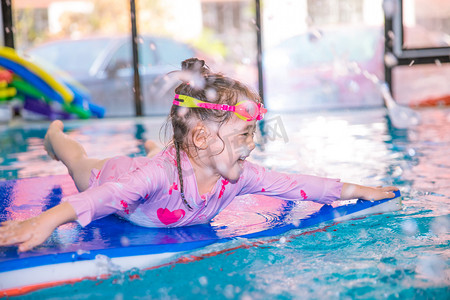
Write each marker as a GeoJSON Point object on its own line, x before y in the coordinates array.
{"type": "Point", "coordinates": [258, 180]}
{"type": "Point", "coordinates": [121, 193]}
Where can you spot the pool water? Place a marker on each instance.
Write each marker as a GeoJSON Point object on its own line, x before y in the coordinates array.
{"type": "Point", "coordinates": [403, 254]}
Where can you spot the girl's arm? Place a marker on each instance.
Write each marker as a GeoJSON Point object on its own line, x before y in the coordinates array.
{"type": "Point", "coordinates": [34, 231]}
{"type": "Point", "coordinates": [355, 191]}
{"type": "Point", "coordinates": [258, 180]}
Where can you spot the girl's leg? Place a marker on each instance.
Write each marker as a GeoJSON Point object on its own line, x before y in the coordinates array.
{"type": "Point", "coordinates": [151, 148]}
{"type": "Point", "coordinates": [61, 147]}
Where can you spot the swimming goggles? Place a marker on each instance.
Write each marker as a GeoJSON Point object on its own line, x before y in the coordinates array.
{"type": "Point", "coordinates": [246, 110]}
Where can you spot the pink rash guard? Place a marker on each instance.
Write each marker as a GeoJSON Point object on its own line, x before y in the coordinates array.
{"type": "Point", "coordinates": [146, 191]}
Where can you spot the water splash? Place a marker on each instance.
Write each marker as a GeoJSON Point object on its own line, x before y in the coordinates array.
{"type": "Point", "coordinates": [105, 265]}
{"type": "Point", "coordinates": [400, 116]}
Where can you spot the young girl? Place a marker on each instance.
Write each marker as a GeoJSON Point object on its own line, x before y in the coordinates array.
{"type": "Point", "coordinates": [195, 177]}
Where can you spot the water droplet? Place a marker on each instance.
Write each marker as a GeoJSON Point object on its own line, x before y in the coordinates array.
{"type": "Point", "coordinates": [81, 252]}
{"type": "Point", "coordinates": [337, 214]}
{"type": "Point", "coordinates": [246, 60]}
{"type": "Point", "coordinates": [124, 241]}
{"type": "Point", "coordinates": [354, 67]}
{"type": "Point", "coordinates": [390, 60]}
{"type": "Point", "coordinates": [353, 86]}
{"type": "Point", "coordinates": [211, 94]}
{"type": "Point", "coordinates": [409, 227]}
{"type": "Point", "coordinates": [371, 77]}
{"type": "Point", "coordinates": [203, 281]}
{"type": "Point", "coordinates": [398, 171]}
{"type": "Point", "coordinates": [391, 34]}
{"type": "Point", "coordinates": [229, 291]}
{"type": "Point", "coordinates": [314, 35]}
{"type": "Point", "coordinates": [411, 152]}
{"type": "Point", "coordinates": [440, 225]}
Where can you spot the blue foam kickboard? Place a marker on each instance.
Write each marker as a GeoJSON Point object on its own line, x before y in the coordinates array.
{"type": "Point", "coordinates": [248, 216]}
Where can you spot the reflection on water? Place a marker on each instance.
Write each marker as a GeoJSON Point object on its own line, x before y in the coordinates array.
{"type": "Point", "coordinates": [404, 254]}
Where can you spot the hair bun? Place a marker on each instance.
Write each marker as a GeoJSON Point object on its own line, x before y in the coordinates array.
{"type": "Point", "coordinates": [195, 65]}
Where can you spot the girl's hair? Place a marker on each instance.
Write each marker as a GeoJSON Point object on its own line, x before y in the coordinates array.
{"type": "Point", "coordinates": [201, 83]}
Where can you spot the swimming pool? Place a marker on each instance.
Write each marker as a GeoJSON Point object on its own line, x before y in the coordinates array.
{"type": "Point", "coordinates": [404, 254]}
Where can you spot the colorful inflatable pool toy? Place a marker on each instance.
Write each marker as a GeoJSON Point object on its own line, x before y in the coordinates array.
{"type": "Point", "coordinates": [35, 71]}
{"type": "Point", "coordinates": [6, 92]}
{"type": "Point", "coordinates": [30, 82]}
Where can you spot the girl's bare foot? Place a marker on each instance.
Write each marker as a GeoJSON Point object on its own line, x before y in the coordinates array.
{"type": "Point", "coordinates": [54, 127]}
{"type": "Point", "coordinates": [151, 148]}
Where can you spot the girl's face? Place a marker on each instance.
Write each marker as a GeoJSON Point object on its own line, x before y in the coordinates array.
{"type": "Point", "coordinates": [237, 143]}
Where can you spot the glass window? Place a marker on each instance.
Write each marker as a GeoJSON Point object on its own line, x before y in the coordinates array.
{"type": "Point", "coordinates": [222, 33]}
{"type": "Point", "coordinates": [171, 52]}
{"type": "Point", "coordinates": [74, 41]}
{"type": "Point", "coordinates": [322, 54]}
{"type": "Point", "coordinates": [121, 60]}
{"type": "Point", "coordinates": [63, 54]}
{"type": "Point", "coordinates": [122, 57]}
{"type": "Point", "coordinates": [426, 24]}
{"type": "Point", "coordinates": [147, 54]}
{"type": "Point", "coordinates": [90, 40]}
{"type": "Point", "coordinates": [422, 85]}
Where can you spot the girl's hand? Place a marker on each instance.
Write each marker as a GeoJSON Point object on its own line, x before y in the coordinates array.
{"type": "Point", "coordinates": [32, 232]}
{"type": "Point", "coordinates": [354, 191]}
{"type": "Point", "coordinates": [379, 193]}
{"type": "Point", "coordinates": [26, 234]}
